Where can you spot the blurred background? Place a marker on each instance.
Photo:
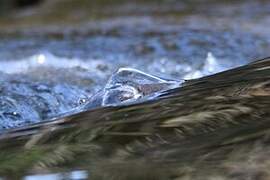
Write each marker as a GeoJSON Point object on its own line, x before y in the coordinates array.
{"type": "Point", "coordinates": [55, 54]}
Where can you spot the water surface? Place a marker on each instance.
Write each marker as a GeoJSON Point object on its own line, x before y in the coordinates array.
{"type": "Point", "coordinates": [54, 58]}
{"type": "Point", "coordinates": [50, 68]}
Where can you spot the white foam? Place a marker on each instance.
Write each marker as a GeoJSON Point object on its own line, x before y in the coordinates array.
{"type": "Point", "coordinates": [46, 59]}
{"type": "Point", "coordinates": [210, 66]}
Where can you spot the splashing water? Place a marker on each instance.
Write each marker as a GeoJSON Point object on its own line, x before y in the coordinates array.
{"type": "Point", "coordinates": [71, 85]}
{"type": "Point", "coordinates": [210, 66]}
{"type": "Point", "coordinates": [127, 85]}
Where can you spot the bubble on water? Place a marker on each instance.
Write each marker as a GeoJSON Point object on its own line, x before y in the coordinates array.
{"type": "Point", "coordinates": [129, 84]}
{"type": "Point", "coordinates": [116, 95]}
{"type": "Point", "coordinates": [82, 101]}
{"type": "Point", "coordinates": [14, 113]}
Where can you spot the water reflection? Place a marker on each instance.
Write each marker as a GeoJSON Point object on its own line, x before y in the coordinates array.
{"type": "Point", "coordinates": [74, 175]}
{"type": "Point", "coordinates": [51, 70]}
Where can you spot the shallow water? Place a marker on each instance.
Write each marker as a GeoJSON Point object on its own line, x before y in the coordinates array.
{"type": "Point", "coordinates": [53, 70]}
{"type": "Point", "coordinates": [45, 86]}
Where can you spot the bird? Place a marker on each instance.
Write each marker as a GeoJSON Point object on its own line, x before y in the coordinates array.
{"type": "Point", "coordinates": [214, 127]}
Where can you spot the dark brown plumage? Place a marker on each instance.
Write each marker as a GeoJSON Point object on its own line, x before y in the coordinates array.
{"type": "Point", "coordinates": [215, 127]}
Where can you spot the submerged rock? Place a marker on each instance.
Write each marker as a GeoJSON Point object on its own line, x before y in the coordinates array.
{"type": "Point", "coordinates": [128, 85]}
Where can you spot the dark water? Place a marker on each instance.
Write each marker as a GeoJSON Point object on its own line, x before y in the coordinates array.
{"type": "Point", "coordinates": [48, 70]}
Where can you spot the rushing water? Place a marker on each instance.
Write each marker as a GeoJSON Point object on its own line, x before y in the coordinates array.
{"type": "Point", "coordinates": [64, 86]}
{"type": "Point", "coordinates": [52, 71]}
{"type": "Point", "coordinates": [45, 78]}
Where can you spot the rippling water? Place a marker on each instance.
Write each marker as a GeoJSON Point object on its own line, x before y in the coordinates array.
{"type": "Point", "coordinates": [52, 71]}
{"type": "Point", "coordinates": [44, 85]}
{"type": "Point", "coordinates": [45, 78]}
